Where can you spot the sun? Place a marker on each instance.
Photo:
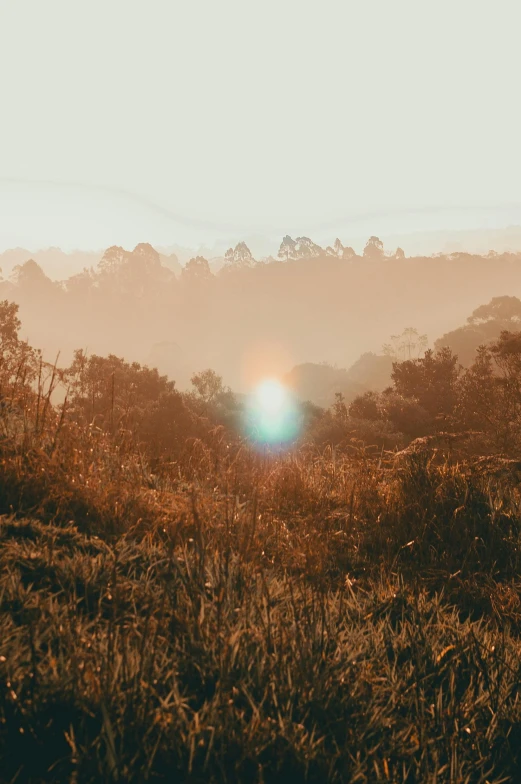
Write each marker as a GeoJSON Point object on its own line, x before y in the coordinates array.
{"type": "Point", "coordinates": [271, 395]}
{"type": "Point", "coordinates": [272, 415]}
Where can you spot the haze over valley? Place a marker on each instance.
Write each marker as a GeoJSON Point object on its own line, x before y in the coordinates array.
{"type": "Point", "coordinates": [305, 305]}
{"type": "Point", "coordinates": [260, 392]}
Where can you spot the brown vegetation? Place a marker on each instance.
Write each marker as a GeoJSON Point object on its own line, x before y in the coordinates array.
{"type": "Point", "coordinates": [195, 610]}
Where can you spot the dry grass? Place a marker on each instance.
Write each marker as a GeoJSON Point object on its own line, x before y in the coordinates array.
{"type": "Point", "coordinates": [242, 617]}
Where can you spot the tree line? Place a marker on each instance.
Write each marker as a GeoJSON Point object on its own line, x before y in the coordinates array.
{"type": "Point", "coordinates": [332, 308]}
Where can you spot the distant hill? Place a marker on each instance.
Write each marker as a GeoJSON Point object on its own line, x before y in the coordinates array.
{"type": "Point", "coordinates": [319, 383]}
{"type": "Point", "coordinates": [56, 263]}
{"type": "Point", "coordinates": [60, 265]}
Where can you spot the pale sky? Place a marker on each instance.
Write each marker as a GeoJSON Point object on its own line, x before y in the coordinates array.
{"type": "Point", "coordinates": [169, 121]}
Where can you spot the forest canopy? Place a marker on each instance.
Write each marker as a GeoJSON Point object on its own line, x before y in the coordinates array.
{"type": "Point", "coordinates": [308, 305]}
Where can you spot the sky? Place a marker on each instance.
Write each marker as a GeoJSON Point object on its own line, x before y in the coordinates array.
{"type": "Point", "coordinates": [187, 122]}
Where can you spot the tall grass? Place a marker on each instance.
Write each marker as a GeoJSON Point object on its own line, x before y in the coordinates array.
{"type": "Point", "coordinates": [235, 616]}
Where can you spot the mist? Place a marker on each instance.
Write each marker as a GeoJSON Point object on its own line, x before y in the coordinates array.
{"type": "Point", "coordinates": [243, 317]}
{"type": "Point", "coordinates": [260, 391]}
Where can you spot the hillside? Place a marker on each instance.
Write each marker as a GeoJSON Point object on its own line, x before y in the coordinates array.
{"type": "Point", "coordinates": [179, 603]}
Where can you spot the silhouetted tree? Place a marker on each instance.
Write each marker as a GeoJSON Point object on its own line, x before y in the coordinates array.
{"type": "Point", "coordinates": [113, 259]}
{"type": "Point", "coordinates": [483, 327]}
{"type": "Point", "coordinates": [399, 254]}
{"type": "Point", "coordinates": [478, 399]}
{"type": "Point", "coordinates": [78, 286]}
{"type": "Point", "coordinates": [405, 414]}
{"type": "Point", "coordinates": [489, 397]}
{"type": "Point", "coordinates": [431, 380]}
{"type": "Point", "coordinates": [148, 256]}
{"type": "Point", "coordinates": [339, 407]}
{"type": "Point", "coordinates": [365, 407]}
{"type": "Point", "coordinates": [464, 342]}
{"type": "Point", "coordinates": [106, 386]}
{"type": "Point", "coordinates": [348, 253]}
{"type": "Point", "coordinates": [196, 269]}
{"type": "Point", "coordinates": [409, 345]}
{"type": "Point", "coordinates": [9, 325]}
{"type": "Point", "coordinates": [504, 309]}
{"type": "Point", "coordinates": [209, 387]}
{"type": "Point", "coordinates": [336, 250]}
{"type": "Point", "coordinates": [30, 276]}
{"type": "Point", "coordinates": [338, 247]}
{"type": "Point", "coordinates": [17, 359]}
{"type": "Point", "coordinates": [239, 257]}
{"type": "Point", "coordinates": [129, 399]}
{"type": "Point", "coordinates": [287, 249]}
{"type": "Point", "coordinates": [374, 249]}
{"type": "Point", "coordinates": [306, 248]}
{"type": "Point", "coordinates": [243, 255]}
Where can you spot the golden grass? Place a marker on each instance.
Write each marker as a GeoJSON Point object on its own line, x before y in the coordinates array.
{"type": "Point", "coordinates": [235, 616]}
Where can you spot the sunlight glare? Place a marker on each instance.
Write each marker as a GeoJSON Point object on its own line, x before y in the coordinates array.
{"type": "Point", "coordinates": [272, 415]}
{"type": "Point", "coordinates": [271, 395]}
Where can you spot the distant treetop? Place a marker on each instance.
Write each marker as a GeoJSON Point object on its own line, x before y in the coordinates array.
{"type": "Point", "coordinates": [238, 257]}
{"type": "Point", "coordinates": [499, 308]}
{"type": "Point", "coordinates": [374, 249]}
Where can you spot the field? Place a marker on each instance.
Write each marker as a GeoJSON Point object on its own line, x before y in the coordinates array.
{"type": "Point", "coordinates": [233, 616]}
{"type": "Point", "coordinates": [260, 392]}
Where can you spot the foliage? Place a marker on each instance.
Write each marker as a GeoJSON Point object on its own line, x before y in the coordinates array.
{"type": "Point", "coordinates": [287, 249]}
{"type": "Point", "coordinates": [128, 399]}
{"type": "Point", "coordinates": [405, 414]}
{"type": "Point", "coordinates": [306, 248]}
{"type": "Point", "coordinates": [483, 327]}
{"type": "Point", "coordinates": [239, 257]}
{"type": "Point", "coordinates": [365, 407]}
{"type": "Point", "coordinates": [336, 250]}
{"type": "Point", "coordinates": [374, 249]}
{"type": "Point", "coordinates": [506, 309]}
{"type": "Point", "coordinates": [218, 614]}
{"type": "Point", "coordinates": [431, 380]}
{"type": "Point", "coordinates": [215, 397]}
{"type": "Point", "coordinates": [490, 393]}
{"type": "Point", "coordinates": [196, 269]}
{"type": "Point", "coordinates": [9, 326]}
{"type": "Point", "coordinates": [18, 361]}
{"type": "Point", "coordinates": [245, 618]}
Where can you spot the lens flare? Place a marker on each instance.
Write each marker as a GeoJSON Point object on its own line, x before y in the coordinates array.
{"type": "Point", "coordinates": [272, 415]}
{"type": "Point", "coordinates": [271, 395]}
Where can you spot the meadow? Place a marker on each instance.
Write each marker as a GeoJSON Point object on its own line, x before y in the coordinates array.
{"type": "Point", "coordinates": [236, 615]}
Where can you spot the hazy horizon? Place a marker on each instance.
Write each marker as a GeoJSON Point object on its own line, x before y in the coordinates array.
{"type": "Point", "coordinates": [260, 391]}
{"type": "Point", "coordinates": [477, 239]}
